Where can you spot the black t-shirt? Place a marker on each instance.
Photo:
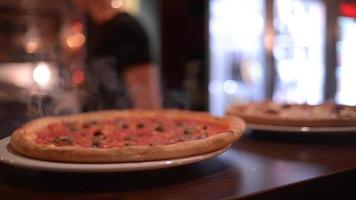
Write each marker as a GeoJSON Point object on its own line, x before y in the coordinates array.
{"type": "Point", "coordinates": [112, 48]}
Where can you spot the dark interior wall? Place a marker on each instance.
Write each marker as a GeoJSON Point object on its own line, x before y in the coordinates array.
{"type": "Point", "coordinates": [183, 53]}
{"type": "Point", "coordinates": [17, 22]}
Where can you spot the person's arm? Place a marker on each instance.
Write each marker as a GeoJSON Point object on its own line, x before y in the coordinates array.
{"type": "Point", "coordinates": [143, 85]}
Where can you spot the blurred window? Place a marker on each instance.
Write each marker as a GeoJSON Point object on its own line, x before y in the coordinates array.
{"type": "Point", "coordinates": [236, 52]}
{"type": "Point", "coordinates": [346, 71]}
{"type": "Point", "coordinates": [299, 50]}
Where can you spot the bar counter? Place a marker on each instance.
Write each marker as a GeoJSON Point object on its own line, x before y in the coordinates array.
{"type": "Point", "coordinates": [261, 165]}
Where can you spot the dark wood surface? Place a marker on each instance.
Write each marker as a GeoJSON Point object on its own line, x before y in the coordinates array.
{"type": "Point", "coordinates": [258, 166]}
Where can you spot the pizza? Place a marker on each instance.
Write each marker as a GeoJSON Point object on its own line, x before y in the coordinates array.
{"type": "Point", "coordinates": [125, 136]}
{"type": "Point", "coordinates": [295, 115]}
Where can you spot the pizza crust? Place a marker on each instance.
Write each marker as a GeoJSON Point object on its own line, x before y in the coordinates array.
{"type": "Point", "coordinates": [23, 140]}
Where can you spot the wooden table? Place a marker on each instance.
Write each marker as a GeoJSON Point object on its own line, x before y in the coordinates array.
{"type": "Point", "coordinates": [260, 165]}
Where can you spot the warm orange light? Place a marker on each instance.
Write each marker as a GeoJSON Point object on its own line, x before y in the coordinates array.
{"type": "Point", "coordinates": [117, 3]}
{"type": "Point", "coordinates": [76, 40]}
{"type": "Point", "coordinates": [77, 77]}
{"type": "Point", "coordinates": [31, 47]}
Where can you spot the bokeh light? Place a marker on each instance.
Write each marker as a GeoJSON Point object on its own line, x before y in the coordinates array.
{"type": "Point", "coordinates": [117, 3]}
{"type": "Point", "coordinates": [42, 74]}
{"type": "Point", "coordinates": [77, 77]}
{"type": "Point", "coordinates": [230, 86]}
{"type": "Point", "coordinates": [76, 40]}
{"type": "Point", "coordinates": [31, 47]}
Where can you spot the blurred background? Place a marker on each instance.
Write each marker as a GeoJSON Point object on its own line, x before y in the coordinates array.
{"type": "Point", "coordinates": [210, 53]}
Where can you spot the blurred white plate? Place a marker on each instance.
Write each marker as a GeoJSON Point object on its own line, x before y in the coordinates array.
{"type": "Point", "coordinates": [275, 128]}
{"type": "Point", "coordinates": [10, 157]}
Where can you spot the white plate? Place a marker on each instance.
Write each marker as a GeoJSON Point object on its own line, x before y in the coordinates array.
{"type": "Point", "coordinates": [10, 157]}
{"type": "Point", "coordinates": [303, 129]}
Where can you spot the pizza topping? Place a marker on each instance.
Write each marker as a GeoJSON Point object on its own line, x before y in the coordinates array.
{"type": "Point", "coordinates": [128, 141]}
{"type": "Point", "coordinates": [97, 139]}
{"type": "Point", "coordinates": [185, 137]}
{"type": "Point", "coordinates": [71, 126]}
{"type": "Point", "coordinates": [179, 124]}
{"type": "Point", "coordinates": [129, 138]}
{"type": "Point", "coordinates": [347, 112]}
{"type": "Point", "coordinates": [286, 106]}
{"type": "Point", "coordinates": [86, 126]}
{"type": "Point", "coordinates": [271, 111]}
{"type": "Point", "coordinates": [188, 130]}
{"type": "Point", "coordinates": [89, 124]}
{"type": "Point", "coordinates": [205, 127]}
{"type": "Point", "coordinates": [122, 124]}
{"type": "Point", "coordinates": [342, 111]}
{"type": "Point", "coordinates": [140, 125]}
{"type": "Point", "coordinates": [63, 141]}
{"type": "Point", "coordinates": [98, 133]}
{"type": "Point", "coordinates": [127, 132]}
{"type": "Point", "coordinates": [159, 128]}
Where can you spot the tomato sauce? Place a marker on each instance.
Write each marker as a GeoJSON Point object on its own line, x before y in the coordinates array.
{"type": "Point", "coordinates": [120, 132]}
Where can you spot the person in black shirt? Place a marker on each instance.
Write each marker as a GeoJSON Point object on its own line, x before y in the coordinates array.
{"type": "Point", "coordinates": [119, 67]}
